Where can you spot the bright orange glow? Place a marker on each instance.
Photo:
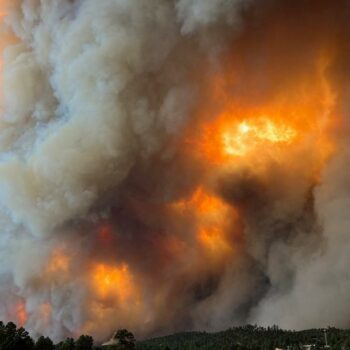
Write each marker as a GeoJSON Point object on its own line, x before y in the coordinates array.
{"type": "Point", "coordinates": [21, 314]}
{"type": "Point", "coordinates": [291, 120]}
{"type": "Point", "coordinates": [212, 216]}
{"type": "Point", "coordinates": [247, 135]}
{"type": "Point", "coordinates": [203, 203]}
{"type": "Point", "coordinates": [279, 130]}
{"type": "Point", "coordinates": [114, 281]}
{"type": "Point", "coordinates": [59, 262]}
{"type": "Point", "coordinates": [231, 138]}
{"type": "Point", "coordinates": [213, 240]}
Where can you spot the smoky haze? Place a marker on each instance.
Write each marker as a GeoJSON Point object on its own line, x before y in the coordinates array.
{"type": "Point", "coordinates": [174, 165]}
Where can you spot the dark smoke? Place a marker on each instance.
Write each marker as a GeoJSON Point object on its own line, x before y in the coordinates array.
{"type": "Point", "coordinates": [103, 104]}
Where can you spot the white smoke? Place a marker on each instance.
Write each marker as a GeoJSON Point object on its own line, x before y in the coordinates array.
{"type": "Point", "coordinates": [96, 97]}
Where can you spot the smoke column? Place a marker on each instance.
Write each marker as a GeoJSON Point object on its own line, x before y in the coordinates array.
{"type": "Point", "coordinates": [174, 165]}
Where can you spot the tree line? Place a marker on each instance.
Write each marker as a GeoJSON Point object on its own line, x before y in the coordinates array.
{"type": "Point", "coordinates": [249, 337]}
{"type": "Point", "coordinates": [17, 338]}
{"type": "Point", "coordinates": [252, 337]}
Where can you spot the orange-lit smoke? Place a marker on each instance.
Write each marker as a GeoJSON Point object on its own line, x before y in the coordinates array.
{"type": "Point", "coordinates": [114, 282]}
{"type": "Point", "coordinates": [21, 314]}
{"type": "Point", "coordinates": [240, 133]}
{"type": "Point", "coordinates": [212, 218]}
{"type": "Point", "coordinates": [247, 136]}
{"type": "Point", "coordinates": [172, 165]}
{"type": "Point", "coordinates": [58, 263]}
{"type": "Point", "coordinates": [6, 37]}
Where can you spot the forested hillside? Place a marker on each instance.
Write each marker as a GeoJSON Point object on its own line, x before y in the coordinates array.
{"type": "Point", "coordinates": [251, 338]}
{"type": "Point", "coordinates": [239, 338]}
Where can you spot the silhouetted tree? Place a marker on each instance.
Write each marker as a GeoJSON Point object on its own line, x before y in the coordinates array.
{"type": "Point", "coordinates": [126, 339]}
{"type": "Point", "coordinates": [14, 339]}
{"type": "Point", "coordinates": [68, 344]}
{"type": "Point", "coordinates": [85, 342]}
{"type": "Point", "coordinates": [44, 343]}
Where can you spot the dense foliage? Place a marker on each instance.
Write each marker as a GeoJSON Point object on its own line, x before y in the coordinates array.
{"type": "Point", "coordinates": [238, 338]}
{"type": "Point", "coordinates": [13, 338]}
{"type": "Point", "coordinates": [251, 338]}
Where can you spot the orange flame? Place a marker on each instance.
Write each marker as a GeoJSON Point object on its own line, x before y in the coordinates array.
{"type": "Point", "coordinates": [245, 136]}
{"type": "Point", "coordinates": [113, 288]}
{"type": "Point", "coordinates": [299, 116]}
{"type": "Point", "coordinates": [202, 202]}
{"type": "Point", "coordinates": [21, 314]}
{"type": "Point", "coordinates": [114, 281]}
{"type": "Point", "coordinates": [212, 217]}
{"type": "Point", "coordinates": [214, 240]}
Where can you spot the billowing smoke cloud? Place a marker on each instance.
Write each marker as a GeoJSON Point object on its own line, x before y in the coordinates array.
{"type": "Point", "coordinates": [170, 165]}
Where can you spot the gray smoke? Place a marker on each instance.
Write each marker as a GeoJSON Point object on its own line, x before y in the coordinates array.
{"type": "Point", "coordinates": [103, 105]}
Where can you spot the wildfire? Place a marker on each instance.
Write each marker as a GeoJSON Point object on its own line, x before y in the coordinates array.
{"type": "Point", "coordinates": [247, 135]}
{"type": "Point", "coordinates": [274, 131]}
{"type": "Point", "coordinates": [211, 216]}
{"type": "Point", "coordinates": [300, 116]}
{"type": "Point", "coordinates": [114, 281]}
{"type": "Point", "coordinates": [213, 240]}
{"type": "Point", "coordinates": [203, 203]}
{"type": "Point", "coordinates": [244, 145]}
{"type": "Point", "coordinates": [232, 138]}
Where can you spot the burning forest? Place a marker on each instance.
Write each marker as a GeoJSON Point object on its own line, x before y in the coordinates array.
{"type": "Point", "coordinates": [174, 165]}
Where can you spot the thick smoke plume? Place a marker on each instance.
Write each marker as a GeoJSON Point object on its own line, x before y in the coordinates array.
{"type": "Point", "coordinates": [171, 165]}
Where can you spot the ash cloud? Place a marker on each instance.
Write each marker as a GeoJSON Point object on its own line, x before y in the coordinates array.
{"type": "Point", "coordinates": [99, 99]}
